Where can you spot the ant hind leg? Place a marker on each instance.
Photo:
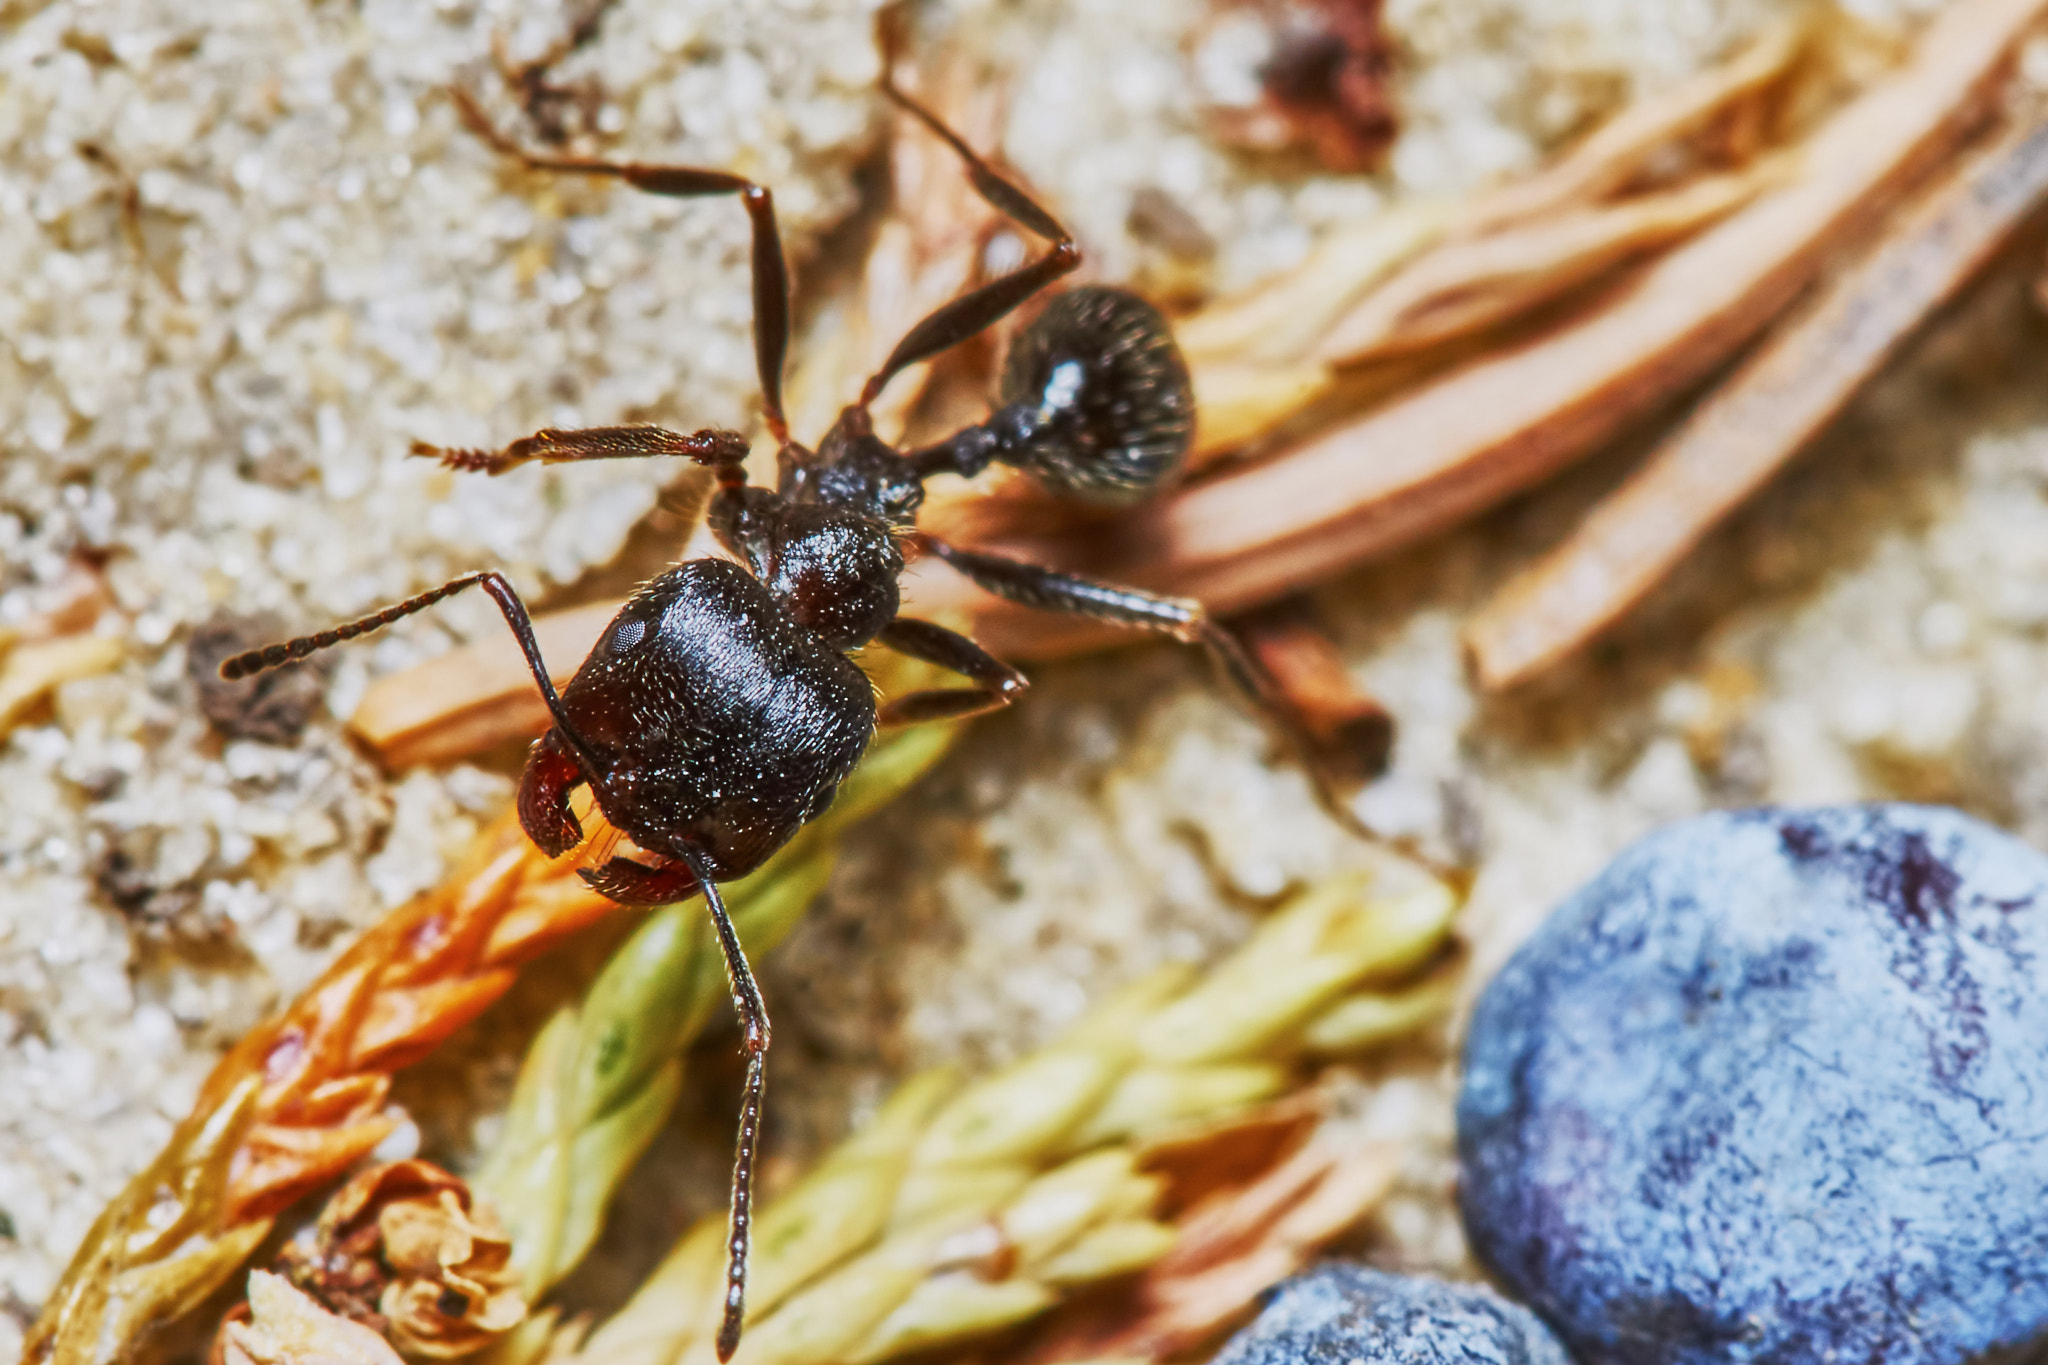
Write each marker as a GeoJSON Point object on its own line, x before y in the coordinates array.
{"type": "Point", "coordinates": [717, 448]}
{"type": "Point", "coordinates": [954, 322]}
{"type": "Point", "coordinates": [771, 271]}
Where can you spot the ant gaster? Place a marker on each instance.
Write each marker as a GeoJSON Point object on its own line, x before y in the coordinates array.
{"type": "Point", "coordinates": [719, 712]}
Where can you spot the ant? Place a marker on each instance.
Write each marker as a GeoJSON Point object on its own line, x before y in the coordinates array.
{"type": "Point", "coordinates": [719, 711]}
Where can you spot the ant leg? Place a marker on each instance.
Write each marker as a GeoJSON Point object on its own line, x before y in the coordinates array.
{"type": "Point", "coordinates": [754, 1036]}
{"type": "Point", "coordinates": [996, 683]}
{"type": "Point", "coordinates": [723, 450]}
{"type": "Point", "coordinates": [954, 322]}
{"type": "Point", "coordinates": [1185, 620]}
{"type": "Point", "coordinates": [771, 272]}
{"type": "Point", "coordinates": [502, 592]}
{"type": "Point", "coordinates": [540, 97]}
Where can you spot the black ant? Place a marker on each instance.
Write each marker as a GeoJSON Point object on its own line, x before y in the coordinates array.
{"type": "Point", "coordinates": [720, 712]}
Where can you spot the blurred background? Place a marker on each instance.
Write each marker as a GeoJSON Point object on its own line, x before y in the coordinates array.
{"type": "Point", "coordinates": [248, 254]}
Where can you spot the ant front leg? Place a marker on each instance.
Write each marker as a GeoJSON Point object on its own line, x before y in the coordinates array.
{"type": "Point", "coordinates": [1183, 618]}
{"type": "Point", "coordinates": [996, 683]}
{"type": "Point", "coordinates": [972, 312]}
{"type": "Point", "coordinates": [771, 271]}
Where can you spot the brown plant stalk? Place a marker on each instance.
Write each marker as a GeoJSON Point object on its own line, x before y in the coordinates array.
{"type": "Point", "coordinates": [1777, 402]}
{"type": "Point", "coordinates": [1506, 422]}
{"type": "Point", "coordinates": [1435, 454]}
{"type": "Point", "coordinates": [1426, 276]}
{"type": "Point", "coordinates": [301, 1097]}
{"type": "Point", "coordinates": [1474, 283]}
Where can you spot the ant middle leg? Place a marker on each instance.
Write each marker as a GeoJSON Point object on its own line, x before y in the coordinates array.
{"type": "Point", "coordinates": [978, 309]}
{"type": "Point", "coordinates": [996, 684]}
{"type": "Point", "coordinates": [1185, 619]}
{"type": "Point", "coordinates": [771, 271]}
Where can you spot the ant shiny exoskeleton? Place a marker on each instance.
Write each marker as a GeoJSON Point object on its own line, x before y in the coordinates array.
{"type": "Point", "coordinates": [719, 712]}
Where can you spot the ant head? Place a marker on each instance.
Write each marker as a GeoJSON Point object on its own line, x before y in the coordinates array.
{"type": "Point", "coordinates": [709, 725]}
{"type": "Point", "coordinates": [1111, 413]}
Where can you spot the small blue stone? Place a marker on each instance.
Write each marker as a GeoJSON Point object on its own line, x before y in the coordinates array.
{"type": "Point", "coordinates": [1774, 1088]}
{"type": "Point", "coordinates": [1347, 1315]}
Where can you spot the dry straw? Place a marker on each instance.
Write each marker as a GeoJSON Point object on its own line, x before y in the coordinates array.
{"type": "Point", "coordinates": [963, 1209]}
{"type": "Point", "coordinates": [602, 1075]}
{"type": "Point", "coordinates": [303, 1097]}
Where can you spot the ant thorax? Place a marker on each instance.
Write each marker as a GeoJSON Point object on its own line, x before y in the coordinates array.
{"type": "Point", "coordinates": [853, 467]}
{"type": "Point", "coordinates": [833, 568]}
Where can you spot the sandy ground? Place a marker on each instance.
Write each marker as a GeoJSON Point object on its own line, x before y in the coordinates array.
{"type": "Point", "coordinates": [243, 264]}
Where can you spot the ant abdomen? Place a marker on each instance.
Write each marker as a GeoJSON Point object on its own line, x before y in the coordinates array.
{"type": "Point", "coordinates": [1110, 410]}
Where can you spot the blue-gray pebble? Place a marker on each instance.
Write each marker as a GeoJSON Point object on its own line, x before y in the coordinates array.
{"type": "Point", "coordinates": [1347, 1315]}
{"type": "Point", "coordinates": [1774, 1088]}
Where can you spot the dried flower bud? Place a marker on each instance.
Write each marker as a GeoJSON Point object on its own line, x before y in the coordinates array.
{"type": "Point", "coordinates": [455, 1290]}
{"type": "Point", "coordinates": [404, 1248]}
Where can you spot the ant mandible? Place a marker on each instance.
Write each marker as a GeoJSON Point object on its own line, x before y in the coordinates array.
{"type": "Point", "coordinates": [719, 712]}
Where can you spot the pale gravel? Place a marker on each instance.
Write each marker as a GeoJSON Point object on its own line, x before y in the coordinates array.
{"type": "Point", "coordinates": [219, 405]}
{"type": "Point", "coordinates": [225, 418]}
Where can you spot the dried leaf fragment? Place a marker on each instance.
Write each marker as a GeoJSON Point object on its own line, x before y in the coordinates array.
{"type": "Point", "coordinates": [30, 672]}
{"type": "Point", "coordinates": [272, 707]}
{"type": "Point", "coordinates": [1326, 85]}
{"type": "Point", "coordinates": [286, 1327]}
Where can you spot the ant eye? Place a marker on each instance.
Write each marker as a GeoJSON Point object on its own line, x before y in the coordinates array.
{"type": "Point", "coordinates": [626, 634]}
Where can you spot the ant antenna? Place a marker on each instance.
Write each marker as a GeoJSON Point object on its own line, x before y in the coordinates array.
{"type": "Point", "coordinates": [496, 584]}
{"type": "Point", "coordinates": [754, 1035]}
